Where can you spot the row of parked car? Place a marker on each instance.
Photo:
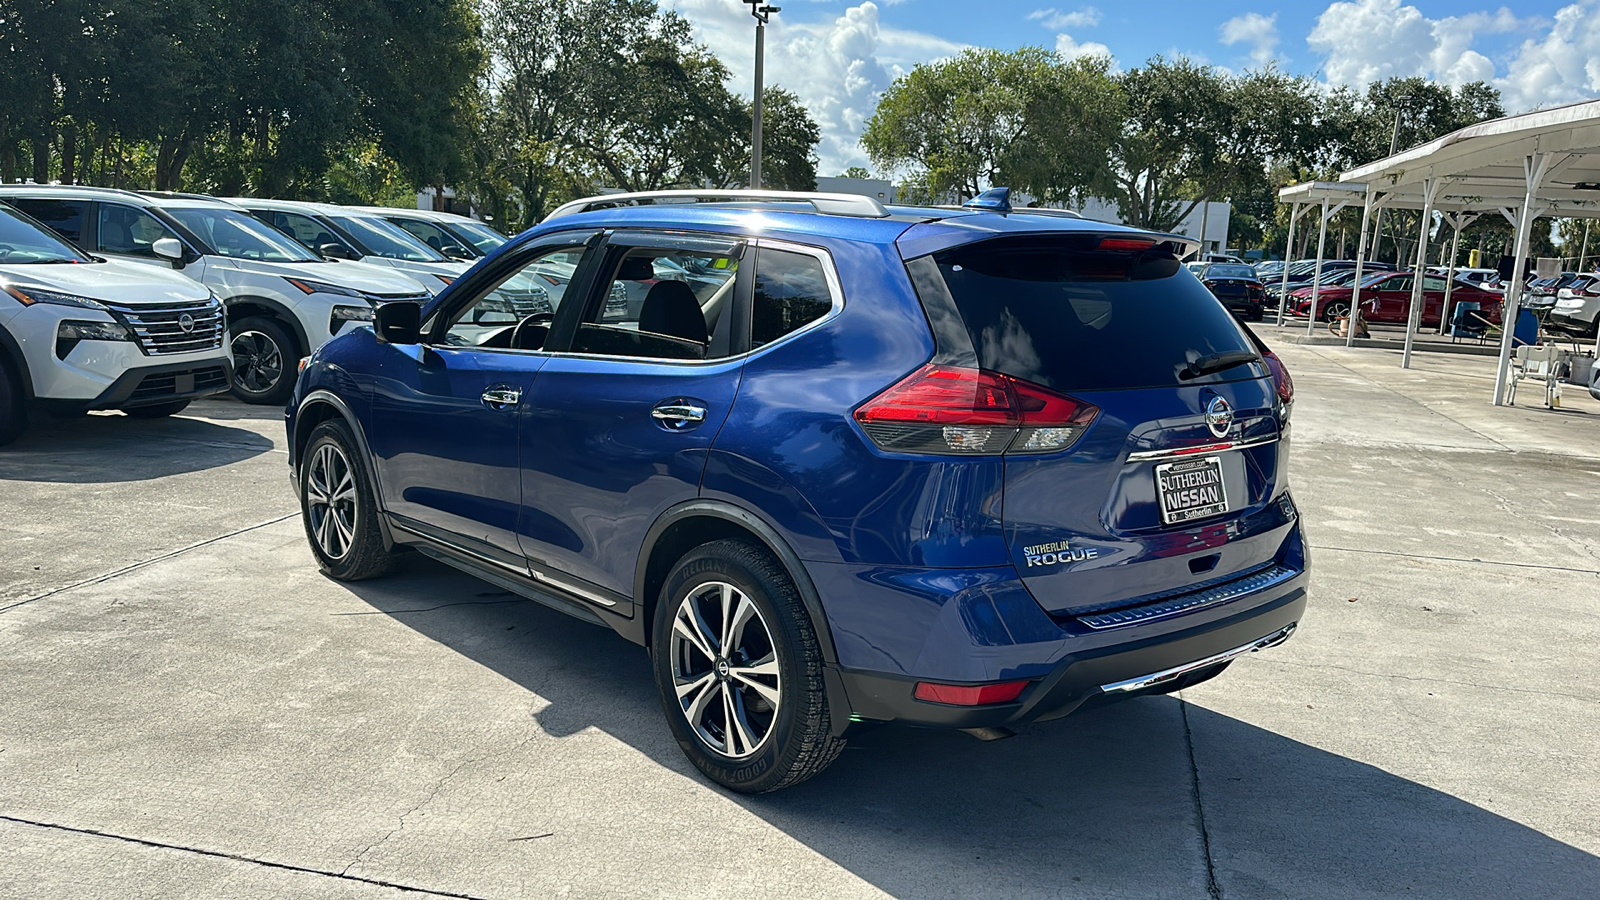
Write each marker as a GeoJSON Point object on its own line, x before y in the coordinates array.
{"type": "Point", "coordinates": [145, 302]}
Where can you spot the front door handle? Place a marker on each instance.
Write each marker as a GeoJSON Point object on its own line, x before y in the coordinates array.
{"type": "Point", "coordinates": [678, 416]}
{"type": "Point", "coordinates": [501, 396]}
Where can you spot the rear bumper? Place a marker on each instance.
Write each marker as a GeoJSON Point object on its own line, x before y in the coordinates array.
{"type": "Point", "coordinates": [1094, 676]}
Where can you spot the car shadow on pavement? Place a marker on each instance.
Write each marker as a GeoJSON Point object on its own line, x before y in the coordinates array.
{"type": "Point", "coordinates": [1110, 802]}
{"type": "Point", "coordinates": [99, 449]}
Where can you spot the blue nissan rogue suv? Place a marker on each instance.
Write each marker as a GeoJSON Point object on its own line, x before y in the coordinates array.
{"type": "Point", "coordinates": [834, 464]}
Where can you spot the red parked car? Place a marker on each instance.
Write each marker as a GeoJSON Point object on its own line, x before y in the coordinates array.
{"type": "Point", "coordinates": [1386, 297]}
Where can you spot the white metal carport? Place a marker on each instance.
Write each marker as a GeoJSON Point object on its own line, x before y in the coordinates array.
{"type": "Point", "coordinates": [1525, 166]}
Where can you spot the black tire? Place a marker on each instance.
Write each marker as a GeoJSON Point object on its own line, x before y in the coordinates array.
{"type": "Point", "coordinates": [796, 742]}
{"type": "Point", "coordinates": [266, 360]}
{"type": "Point", "coordinates": [157, 411]}
{"type": "Point", "coordinates": [343, 530]}
{"type": "Point", "coordinates": [13, 407]}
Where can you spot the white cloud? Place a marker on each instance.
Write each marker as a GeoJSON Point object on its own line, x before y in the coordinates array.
{"type": "Point", "coordinates": [1370, 40]}
{"type": "Point", "coordinates": [1071, 49]}
{"type": "Point", "coordinates": [1055, 20]}
{"type": "Point", "coordinates": [838, 69]}
{"type": "Point", "coordinates": [1256, 30]}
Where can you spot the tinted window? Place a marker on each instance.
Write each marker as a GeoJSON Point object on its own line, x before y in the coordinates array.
{"type": "Point", "coordinates": [482, 236]}
{"type": "Point", "coordinates": [1231, 272]}
{"type": "Point", "coordinates": [126, 229]}
{"type": "Point", "coordinates": [22, 241]}
{"type": "Point", "coordinates": [64, 216]}
{"type": "Point", "coordinates": [790, 291]}
{"type": "Point", "coordinates": [1048, 311]}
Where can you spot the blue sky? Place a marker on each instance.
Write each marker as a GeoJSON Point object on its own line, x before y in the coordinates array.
{"type": "Point", "coordinates": [840, 55]}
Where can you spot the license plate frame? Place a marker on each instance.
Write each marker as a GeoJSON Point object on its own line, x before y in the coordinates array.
{"type": "Point", "coordinates": [1212, 499]}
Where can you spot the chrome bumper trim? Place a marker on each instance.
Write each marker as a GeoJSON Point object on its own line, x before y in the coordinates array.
{"type": "Point", "coordinates": [1165, 675]}
{"type": "Point", "coordinates": [1174, 452]}
{"type": "Point", "coordinates": [1159, 607]}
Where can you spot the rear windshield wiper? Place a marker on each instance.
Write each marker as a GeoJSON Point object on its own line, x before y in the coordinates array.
{"type": "Point", "coordinates": [1216, 362]}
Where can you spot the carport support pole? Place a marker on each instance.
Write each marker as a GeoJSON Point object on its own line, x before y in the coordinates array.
{"type": "Point", "coordinates": [1430, 189]}
{"type": "Point", "coordinates": [1458, 221]}
{"type": "Point", "coordinates": [1534, 167]}
{"type": "Point", "coordinates": [1361, 259]}
{"type": "Point", "coordinates": [1288, 254]}
{"type": "Point", "coordinates": [1316, 273]}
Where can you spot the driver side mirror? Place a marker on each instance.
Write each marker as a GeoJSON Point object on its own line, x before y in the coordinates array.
{"type": "Point", "coordinates": [455, 252]}
{"type": "Point", "coordinates": [170, 249]}
{"type": "Point", "coordinates": [334, 251]}
{"type": "Point", "coordinates": [398, 322]}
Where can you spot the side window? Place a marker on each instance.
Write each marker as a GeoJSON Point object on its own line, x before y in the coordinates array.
{"type": "Point", "coordinates": [65, 217]}
{"type": "Point", "coordinates": [791, 291]}
{"type": "Point", "coordinates": [1403, 283]}
{"type": "Point", "coordinates": [429, 234]}
{"type": "Point", "coordinates": [515, 313]}
{"type": "Point", "coordinates": [304, 229]}
{"type": "Point", "coordinates": [660, 304]}
{"type": "Point", "coordinates": [125, 229]}
{"type": "Point", "coordinates": [1432, 283]}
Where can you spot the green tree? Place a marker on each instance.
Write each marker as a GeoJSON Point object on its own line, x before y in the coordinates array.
{"type": "Point", "coordinates": [1021, 118]}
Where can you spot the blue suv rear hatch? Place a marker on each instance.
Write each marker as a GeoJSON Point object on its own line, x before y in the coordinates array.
{"type": "Point", "coordinates": [1139, 426]}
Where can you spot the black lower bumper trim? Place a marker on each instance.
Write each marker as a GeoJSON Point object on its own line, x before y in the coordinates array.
{"type": "Point", "coordinates": [151, 385]}
{"type": "Point", "coordinates": [1078, 679]}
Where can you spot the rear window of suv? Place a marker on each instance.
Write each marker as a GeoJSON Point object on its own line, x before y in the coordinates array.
{"type": "Point", "coordinates": [1058, 312]}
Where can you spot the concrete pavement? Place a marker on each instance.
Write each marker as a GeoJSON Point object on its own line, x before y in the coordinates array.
{"type": "Point", "coordinates": [191, 710]}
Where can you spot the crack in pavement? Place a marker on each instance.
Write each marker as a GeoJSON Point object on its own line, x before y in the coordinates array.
{"type": "Point", "coordinates": [1506, 505]}
{"type": "Point", "coordinates": [218, 854]}
{"type": "Point", "coordinates": [1459, 559]}
{"type": "Point", "coordinates": [1429, 679]}
{"type": "Point", "coordinates": [142, 563]}
{"type": "Point", "coordinates": [1213, 889]}
{"type": "Point", "coordinates": [432, 794]}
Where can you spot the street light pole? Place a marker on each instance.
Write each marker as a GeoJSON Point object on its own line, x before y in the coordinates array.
{"type": "Point", "coordinates": [1401, 104]}
{"type": "Point", "coordinates": [762, 13]}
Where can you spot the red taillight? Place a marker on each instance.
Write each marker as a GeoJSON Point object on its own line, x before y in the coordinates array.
{"type": "Point", "coordinates": [947, 409]}
{"type": "Point", "coordinates": [1280, 377]}
{"type": "Point", "coordinates": [1132, 245]}
{"type": "Point", "coordinates": [1209, 283]}
{"type": "Point", "coordinates": [969, 695]}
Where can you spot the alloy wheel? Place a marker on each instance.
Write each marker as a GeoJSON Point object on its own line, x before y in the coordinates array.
{"type": "Point", "coordinates": [725, 669]}
{"type": "Point", "coordinates": [331, 501]}
{"type": "Point", "coordinates": [257, 361]}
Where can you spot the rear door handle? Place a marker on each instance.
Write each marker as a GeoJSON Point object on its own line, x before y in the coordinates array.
{"type": "Point", "coordinates": [501, 396]}
{"type": "Point", "coordinates": [679, 416]}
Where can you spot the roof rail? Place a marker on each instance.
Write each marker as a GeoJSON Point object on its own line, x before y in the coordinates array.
{"type": "Point", "coordinates": [828, 204]}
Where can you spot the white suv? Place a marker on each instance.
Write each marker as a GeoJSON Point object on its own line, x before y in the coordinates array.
{"type": "Point", "coordinates": [341, 232]}
{"type": "Point", "coordinates": [283, 301]}
{"type": "Point", "coordinates": [79, 333]}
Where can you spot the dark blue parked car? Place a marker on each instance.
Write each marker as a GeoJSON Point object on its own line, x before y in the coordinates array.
{"type": "Point", "coordinates": [843, 465]}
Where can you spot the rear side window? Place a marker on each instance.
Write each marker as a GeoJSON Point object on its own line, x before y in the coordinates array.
{"type": "Point", "coordinates": [65, 217]}
{"type": "Point", "coordinates": [791, 291]}
{"type": "Point", "coordinates": [125, 229]}
{"type": "Point", "coordinates": [1059, 313]}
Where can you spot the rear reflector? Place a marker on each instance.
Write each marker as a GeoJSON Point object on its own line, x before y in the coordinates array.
{"type": "Point", "coordinates": [948, 409]}
{"type": "Point", "coordinates": [969, 695]}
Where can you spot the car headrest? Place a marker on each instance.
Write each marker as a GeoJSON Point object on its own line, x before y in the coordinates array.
{"type": "Point", "coordinates": [671, 309]}
{"type": "Point", "coordinates": [636, 268]}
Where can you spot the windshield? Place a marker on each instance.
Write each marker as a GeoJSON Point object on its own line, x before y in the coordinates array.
{"type": "Point", "coordinates": [481, 236]}
{"type": "Point", "coordinates": [237, 234]}
{"type": "Point", "coordinates": [384, 239]}
{"type": "Point", "coordinates": [22, 241]}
